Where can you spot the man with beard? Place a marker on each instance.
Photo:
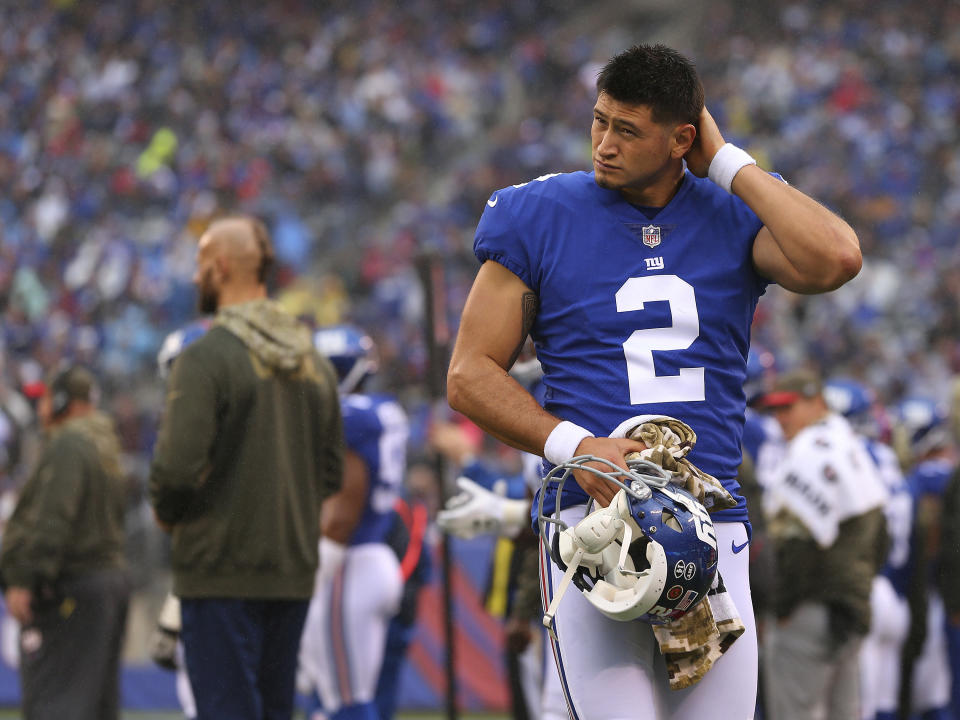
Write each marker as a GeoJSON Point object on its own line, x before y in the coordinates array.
{"type": "Point", "coordinates": [250, 444]}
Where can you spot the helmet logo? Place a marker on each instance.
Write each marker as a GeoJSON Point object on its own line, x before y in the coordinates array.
{"type": "Point", "coordinates": [675, 592]}
{"type": "Point", "coordinates": [688, 600]}
{"type": "Point", "coordinates": [684, 570]}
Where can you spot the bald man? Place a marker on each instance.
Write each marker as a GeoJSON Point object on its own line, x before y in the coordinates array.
{"type": "Point", "coordinates": [250, 444]}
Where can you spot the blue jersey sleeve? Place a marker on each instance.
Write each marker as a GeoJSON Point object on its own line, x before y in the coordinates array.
{"type": "Point", "coordinates": [504, 235]}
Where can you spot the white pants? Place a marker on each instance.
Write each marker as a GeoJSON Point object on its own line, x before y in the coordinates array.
{"type": "Point", "coordinates": [880, 652]}
{"type": "Point", "coordinates": [931, 671]}
{"type": "Point", "coordinates": [346, 629]}
{"type": "Point", "coordinates": [611, 670]}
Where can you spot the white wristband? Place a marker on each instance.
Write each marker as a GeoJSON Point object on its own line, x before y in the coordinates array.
{"type": "Point", "coordinates": [725, 165]}
{"type": "Point", "coordinates": [563, 440]}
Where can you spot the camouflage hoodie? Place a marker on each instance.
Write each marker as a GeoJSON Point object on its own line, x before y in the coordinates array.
{"type": "Point", "coordinates": [250, 444]}
{"type": "Point", "coordinates": [272, 334]}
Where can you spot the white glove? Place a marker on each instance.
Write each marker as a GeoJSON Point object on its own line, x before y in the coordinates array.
{"type": "Point", "coordinates": [163, 639]}
{"type": "Point", "coordinates": [478, 511]}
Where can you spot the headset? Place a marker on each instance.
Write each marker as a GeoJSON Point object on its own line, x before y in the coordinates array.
{"type": "Point", "coordinates": [72, 383]}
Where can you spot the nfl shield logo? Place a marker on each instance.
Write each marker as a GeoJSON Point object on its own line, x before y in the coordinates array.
{"type": "Point", "coordinates": [651, 235]}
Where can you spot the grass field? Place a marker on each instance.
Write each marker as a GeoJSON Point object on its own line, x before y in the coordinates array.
{"type": "Point", "coordinates": [14, 714]}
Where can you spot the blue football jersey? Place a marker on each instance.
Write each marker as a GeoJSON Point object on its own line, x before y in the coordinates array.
{"type": "Point", "coordinates": [899, 513]}
{"type": "Point", "coordinates": [376, 428]}
{"type": "Point", "coordinates": [636, 316]}
{"type": "Point", "coordinates": [928, 478]}
{"type": "Point", "coordinates": [931, 477]}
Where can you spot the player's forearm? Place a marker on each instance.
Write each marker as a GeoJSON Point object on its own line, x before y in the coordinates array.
{"type": "Point", "coordinates": [486, 394]}
{"type": "Point", "coordinates": [821, 246]}
{"type": "Point", "coordinates": [339, 518]}
{"type": "Point", "coordinates": [341, 512]}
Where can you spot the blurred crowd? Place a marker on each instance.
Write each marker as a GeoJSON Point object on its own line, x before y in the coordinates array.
{"type": "Point", "coordinates": [368, 134]}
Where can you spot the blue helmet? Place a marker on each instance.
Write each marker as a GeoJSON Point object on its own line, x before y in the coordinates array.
{"type": "Point", "coordinates": [352, 352]}
{"type": "Point", "coordinates": [178, 341]}
{"type": "Point", "coordinates": [923, 421]}
{"type": "Point", "coordinates": [651, 555]}
{"type": "Point", "coordinates": [858, 403]}
{"type": "Point", "coordinates": [847, 397]}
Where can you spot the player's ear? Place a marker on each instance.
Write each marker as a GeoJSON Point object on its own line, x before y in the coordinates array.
{"type": "Point", "coordinates": [222, 265]}
{"type": "Point", "coordinates": [682, 139]}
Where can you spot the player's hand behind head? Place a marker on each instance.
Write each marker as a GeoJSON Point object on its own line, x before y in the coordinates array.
{"type": "Point", "coordinates": [705, 145]}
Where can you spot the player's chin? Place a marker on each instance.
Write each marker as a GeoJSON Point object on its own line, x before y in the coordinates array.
{"type": "Point", "coordinates": [604, 178]}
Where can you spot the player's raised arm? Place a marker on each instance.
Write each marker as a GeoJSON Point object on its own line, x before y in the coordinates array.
{"type": "Point", "coordinates": [803, 246]}
{"type": "Point", "coordinates": [496, 319]}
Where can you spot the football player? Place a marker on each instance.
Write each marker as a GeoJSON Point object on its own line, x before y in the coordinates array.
{"type": "Point", "coordinates": [927, 446]}
{"type": "Point", "coordinates": [166, 649]}
{"type": "Point", "coordinates": [359, 584]}
{"type": "Point", "coordinates": [638, 283]}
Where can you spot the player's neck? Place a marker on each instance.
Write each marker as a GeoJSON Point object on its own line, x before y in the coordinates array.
{"type": "Point", "coordinates": [235, 295]}
{"type": "Point", "coordinates": [658, 193]}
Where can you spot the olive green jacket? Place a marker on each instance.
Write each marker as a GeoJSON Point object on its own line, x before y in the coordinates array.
{"type": "Point", "coordinates": [69, 518]}
{"type": "Point", "coordinates": [839, 576]}
{"type": "Point", "coordinates": [949, 570]}
{"type": "Point", "coordinates": [250, 444]}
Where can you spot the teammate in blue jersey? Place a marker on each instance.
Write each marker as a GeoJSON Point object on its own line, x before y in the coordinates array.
{"type": "Point", "coordinates": [922, 424]}
{"type": "Point", "coordinates": [638, 283]}
{"type": "Point", "coordinates": [359, 584]}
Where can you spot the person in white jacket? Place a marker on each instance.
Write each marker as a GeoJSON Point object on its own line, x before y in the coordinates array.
{"type": "Point", "coordinates": [826, 521]}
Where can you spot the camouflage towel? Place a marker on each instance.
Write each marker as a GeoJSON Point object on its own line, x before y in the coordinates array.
{"type": "Point", "coordinates": [668, 441]}
{"type": "Point", "coordinates": [693, 643]}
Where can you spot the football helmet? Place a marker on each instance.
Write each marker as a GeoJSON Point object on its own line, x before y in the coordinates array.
{"type": "Point", "coordinates": [651, 555]}
{"type": "Point", "coordinates": [923, 424]}
{"type": "Point", "coordinates": [847, 397]}
{"type": "Point", "coordinates": [352, 352]}
{"type": "Point", "coordinates": [858, 404]}
{"type": "Point", "coordinates": [178, 341]}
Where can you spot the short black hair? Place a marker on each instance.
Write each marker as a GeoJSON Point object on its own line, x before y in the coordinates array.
{"type": "Point", "coordinates": [656, 76]}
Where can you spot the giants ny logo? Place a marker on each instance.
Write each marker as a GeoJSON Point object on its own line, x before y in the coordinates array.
{"type": "Point", "coordinates": [654, 263]}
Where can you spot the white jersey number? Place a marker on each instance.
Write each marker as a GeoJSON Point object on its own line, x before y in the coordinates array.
{"type": "Point", "coordinates": [645, 385]}
{"type": "Point", "coordinates": [393, 457]}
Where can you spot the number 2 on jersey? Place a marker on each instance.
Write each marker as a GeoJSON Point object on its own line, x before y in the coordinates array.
{"type": "Point", "coordinates": [645, 385]}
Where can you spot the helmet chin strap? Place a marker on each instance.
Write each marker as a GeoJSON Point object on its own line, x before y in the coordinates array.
{"type": "Point", "coordinates": [572, 567]}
